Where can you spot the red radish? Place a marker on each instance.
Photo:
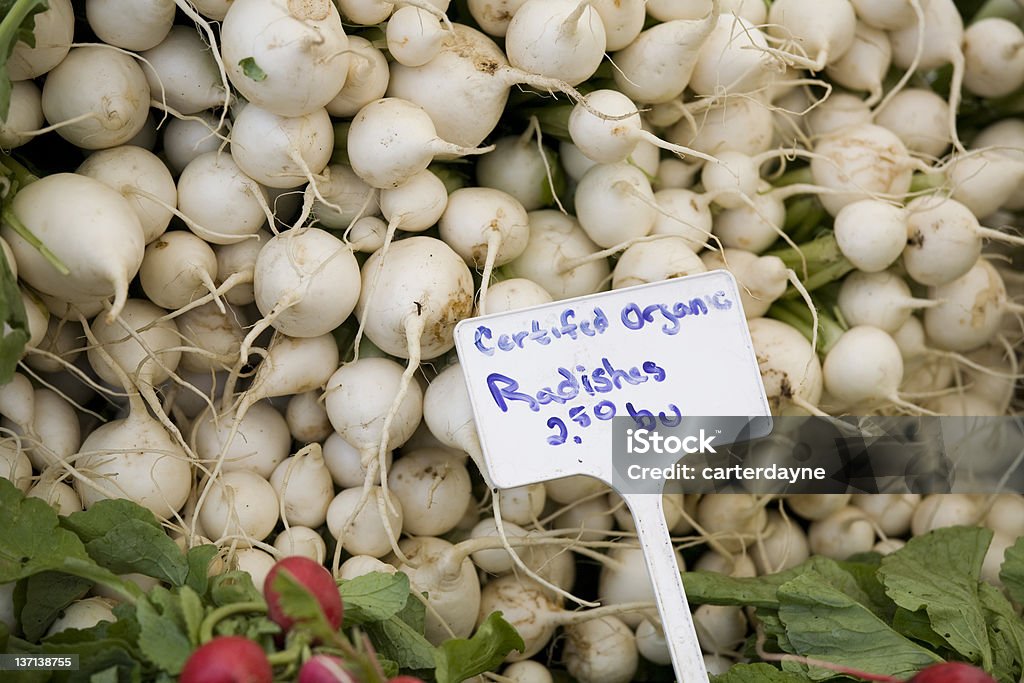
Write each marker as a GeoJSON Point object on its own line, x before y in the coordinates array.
{"type": "Point", "coordinates": [315, 578]}
{"type": "Point", "coordinates": [228, 659]}
{"type": "Point", "coordinates": [952, 672]}
{"type": "Point", "coordinates": [326, 669]}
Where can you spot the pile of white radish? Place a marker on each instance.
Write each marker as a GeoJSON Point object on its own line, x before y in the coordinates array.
{"type": "Point", "coordinates": [242, 234]}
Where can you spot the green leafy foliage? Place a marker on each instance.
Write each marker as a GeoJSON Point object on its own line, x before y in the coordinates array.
{"type": "Point", "coordinates": [17, 24]}
{"type": "Point", "coordinates": [374, 597]}
{"type": "Point", "coordinates": [14, 321]}
{"type": "Point", "coordinates": [1012, 571]}
{"type": "Point", "coordinates": [460, 658]}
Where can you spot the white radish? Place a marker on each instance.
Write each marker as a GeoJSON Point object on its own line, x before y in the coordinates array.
{"type": "Point", "coordinates": [843, 533]}
{"type": "Point", "coordinates": [969, 310]}
{"type": "Point", "coordinates": [258, 443]}
{"type": "Point", "coordinates": [83, 614]}
{"type": "Point", "coordinates": [213, 335]}
{"type": "Point", "coordinates": [985, 180]}
{"type": "Point", "coordinates": [892, 512]}
{"type": "Point", "coordinates": [887, 15]}
{"type": "Point", "coordinates": [865, 364]}
{"type": "Point", "coordinates": [733, 58]}
{"type": "Point", "coordinates": [882, 300]}
{"type": "Point", "coordinates": [130, 24]}
{"type": "Point", "coordinates": [301, 540]}
{"type": "Point", "coordinates": [413, 35]}
{"type": "Point", "coordinates": [434, 489]}
{"type": "Point", "coordinates": [306, 282]}
{"type": "Point", "coordinates": [822, 31]}
{"type": "Point", "coordinates": [871, 234]}
{"type": "Point", "coordinates": [15, 466]}
{"type": "Point", "coordinates": [659, 259]}
{"type": "Point", "coordinates": [307, 417]}
{"type": "Point", "coordinates": [562, 39]}
{"type": "Point", "coordinates": [993, 57]}
{"type": "Point", "coordinates": [601, 651]}
{"type": "Point", "coordinates": [96, 97]}
{"type": "Point", "coordinates": [783, 545]}
{"type": "Point", "coordinates": [392, 139]}
{"type": "Point", "coordinates": [344, 462]}
{"type": "Point", "coordinates": [364, 531]}
{"type": "Point", "coordinates": [178, 268]}
{"type": "Point", "coordinates": [137, 174]}
{"type": "Point", "coordinates": [367, 79]}
{"type": "Point", "coordinates": [835, 113]}
{"type": "Point", "coordinates": [920, 118]}
{"type": "Point", "coordinates": [24, 115]}
{"type": "Point", "coordinates": [789, 366]}
{"type": "Point", "coordinates": [58, 495]}
{"type": "Point", "coordinates": [222, 204]}
{"type": "Point", "coordinates": [288, 58]}
{"type": "Point", "coordinates": [280, 151]}
{"type": "Point", "coordinates": [53, 31]}
{"type": "Point", "coordinates": [513, 294]}
{"type": "Point", "coordinates": [753, 226]}
{"type": "Point", "coordinates": [865, 63]}
{"type": "Point", "coordinates": [185, 139]}
{"type": "Point", "coordinates": [304, 487]}
{"type": "Point", "coordinates": [53, 435]}
{"type": "Point", "coordinates": [240, 504]}
{"type": "Point", "coordinates": [182, 72]}
{"type": "Point", "coordinates": [146, 348]}
{"type": "Point", "coordinates": [346, 198]}
{"type": "Point", "coordinates": [239, 259]}
{"type": "Point", "coordinates": [521, 169]}
{"type": "Point", "coordinates": [944, 510]}
{"type": "Point", "coordinates": [615, 203]}
{"type": "Point", "coordinates": [291, 365]}
{"type": "Point", "coordinates": [254, 562]}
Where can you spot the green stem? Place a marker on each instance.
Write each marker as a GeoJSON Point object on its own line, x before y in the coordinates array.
{"type": "Point", "coordinates": [922, 182]}
{"type": "Point", "coordinates": [8, 216]}
{"type": "Point", "coordinates": [286, 656]}
{"type": "Point", "coordinates": [796, 211]}
{"type": "Point", "coordinates": [822, 277]}
{"type": "Point", "coordinates": [796, 315]}
{"type": "Point", "coordinates": [21, 174]}
{"type": "Point", "coordinates": [800, 175]}
{"type": "Point", "coordinates": [823, 251]}
{"type": "Point", "coordinates": [221, 613]}
{"type": "Point", "coordinates": [90, 571]}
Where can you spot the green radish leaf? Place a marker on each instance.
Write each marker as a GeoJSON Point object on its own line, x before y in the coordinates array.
{"type": "Point", "coordinates": [17, 24]}
{"type": "Point", "coordinates": [32, 541]}
{"type": "Point", "coordinates": [398, 641]}
{"type": "Point", "coordinates": [939, 573]}
{"type": "Point", "coordinates": [822, 622]}
{"type": "Point", "coordinates": [104, 515]}
{"type": "Point", "coordinates": [162, 639]}
{"type": "Point", "coordinates": [199, 559]}
{"type": "Point", "coordinates": [234, 586]}
{"type": "Point", "coordinates": [1012, 571]}
{"type": "Point", "coordinates": [252, 70]}
{"type": "Point", "coordinates": [758, 673]}
{"type": "Point", "coordinates": [14, 321]}
{"type": "Point", "coordinates": [1005, 632]}
{"type": "Point", "coordinates": [192, 613]}
{"type": "Point", "coordinates": [134, 546]}
{"type": "Point", "coordinates": [460, 658]}
{"type": "Point", "coordinates": [373, 597]}
{"type": "Point", "coordinates": [46, 596]}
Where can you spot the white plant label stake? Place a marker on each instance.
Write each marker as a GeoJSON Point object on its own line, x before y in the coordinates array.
{"type": "Point", "coordinates": [546, 383]}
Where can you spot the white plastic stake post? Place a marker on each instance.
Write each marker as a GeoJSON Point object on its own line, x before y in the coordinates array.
{"type": "Point", "coordinates": [653, 534]}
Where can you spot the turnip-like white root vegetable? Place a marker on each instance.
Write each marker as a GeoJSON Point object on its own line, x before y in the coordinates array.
{"type": "Point", "coordinates": [562, 39]}
{"type": "Point", "coordinates": [282, 151]}
{"type": "Point", "coordinates": [888, 15]}
{"type": "Point", "coordinates": [182, 72]}
{"type": "Point", "coordinates": [449, 579]}
{"type": "Point", "coordinates": [733, 57]}
{"type": "Point", "coordinates": [434, 489]}
{"type": "Point", "coordinates": [513, 294]}
{"type": "Point", "coordinates": [15, 466]}
{"type": "Point", "coordinates": [307, 417]}
{"type": "Point", "coordinates": [1006, 515]}
{"type": "Point", "coordinates": [865, 364]}
{"type": "Point", "coordinates": [657, 66]}
{"type": "Point", "coordinates": [781, 546]}
{"type": "Point", "coordinates": [239, 259]}
{"type": "Point", "coordinates": [147, 357]}
{"type": "Point", "coordinates": [623, 21]}
{"type": "Point", "coordinates": [843, 533]}
{"type": "Point", "coordinates": [615, 204]}
{"type": "Point", "coordinates": [486, 227]}
{"type": "Point", "coordinates": [822, 32]}
{"type": "Point", "coordinates": [359, 528]}
{"type": "Point", "coordinates": [931, 41]}
{"type": "Point", "coordinates": [753, 226]}
{"type": "Point", "coordinates": [1006, 137]}
{"type": "Point", "coordinates": [528, 671]}
{"type": "Point", "coordinates": [892, 512]}
{"type": "Point", "coordinates": [53, 31]}
{"type": "Point", "coordinates": [720, 628]}
{"type": "Point", "coordinates": [242, 505]}
{"type": "Point", "coordinates": [360, 565]}
{"type": "Point", "coordinates": [865, 63]}
{"type": "Point", "coordinates": [218, 201]}
{"type": "Point", "coordinates": [732, 522]}
{"type": "Point", "coordinates": [304, 487]}
{"type": "Point", "coordinates": [836, 112]}
{"type": "Point", "coordinates": [301, 540]}
{"type": "Point", "coordinates": [607, 140]}
{"type": "Point", "coordinates": [865, 161]}
{"type": "Point", "coordinates": [96, 98]}
{"type": "Point", "coordinates": [187, 138]}
{"type": "Point", "coordinates": [944, 240]}
{"type": "Point", "coordinates": [306, 283]}
{"type": "Point", "coordinates": [882, 300]}
{"type": "Point", "coordinates": [176, 268]}
{"type": "Point", "coordinates": [214, 337]}
{"type": "Point", "coordinates": [258, 443]}
{"type": "Point", "coordinates": [526, 606]}
{"type": "Point", "coordinates": [762, 279]}
{"type": "Point", "coordinates": [130, 24]}
{"type": "Point", "coordinates": [493, 16]}
{"type": "Point", "coordinates": [652, 644]}
{"type": "Point", "coordinates": [83, 614]}
{"type": "Point", "coordinates": [742, 124]}
{"type": "Point", "coordinates": [558, 257]}
{"type": "Point", "coordinates": [346, 196]}
{"type": "Point", "coordinates": [37, 317]}
{"type": "Point", "coordinates": [938, 511]}
{"type": "Point", "coordinates": [344, 462]}
{"type": "Point", "coordinates": [523, 504]}
{"type": "Point", "coordinates": [58, 495]}
{"type": "Point", "coordinates": [814, 507]}
{"type": "Point", "coordinates": [71, 214]}
{"type": "Point", "coordinates": [393, 139]}
{"type": "Point", "coordinates": [920, 118]}
{"type": "Point", "coordinates": [661, 258]}
{"type": "Point", "coordinates": [136, 173]}
{"type": "Point", "coordinates": [589, 518]}
{"type": "Point", "coordinates": [413, 35]}
{"type": "Point", "coordinates": [522, 169]}
{"type": "Point", "coordinates": [25, 114]}
{"type": "Point", "coordinates": [53, 435]}
{"type": "Point", "coordinates": [872, 234]}
{"type": "Point", "coordinates": [969, 310]}
{"type": "Point", "coordinates": [290, 365]}
{"type": "Point", "coordinates": [288, 58]}
{"type": "Point", "coordinates": [601, 651]}
{"type": "Point", "coordinates": [17, 401]}
{"type": "Point", "coordinates": [993, 57]}
{"type": "Point", "coordinates": [254, 562]}
{"type": "Point", "coordinates": [789, 366]}
{"type": "Point", "coordinates": [985, 180]}
{"type": "Point", "coordinates": [367, 79]}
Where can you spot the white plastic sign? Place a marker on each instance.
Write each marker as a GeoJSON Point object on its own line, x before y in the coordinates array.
{"type": "Point", "coordinates": [546, 383]}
